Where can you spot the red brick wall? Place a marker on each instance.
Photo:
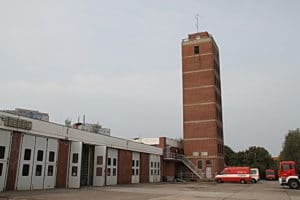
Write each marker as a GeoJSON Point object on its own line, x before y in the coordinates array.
{"type": "Point", "coordinates": [205, 145]}
{"type": "Point", "coordinates": [199, 95]}
{"type": "Point", "coordinates": [199, 112]}
{"type": "Point", "coordinates": [62, 164]}
{"type": "Point", "coordinates": [200, 130]}
{"type": "Point", "coordinates": [197, 79]}
{"type": "Point", "coordinates": [144, 177]}
{"type": "Point", "coordinates": [124, 166]}
{"type": "Point", "coordinates": [13, 161]}
{"type": "Point", "coordinates": [169, 168]}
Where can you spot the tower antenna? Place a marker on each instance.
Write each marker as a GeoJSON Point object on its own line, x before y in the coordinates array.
{"type": "Point", "coordinates": [197, 22]}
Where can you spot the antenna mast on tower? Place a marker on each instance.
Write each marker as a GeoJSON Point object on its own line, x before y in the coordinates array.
{"type": "Point", "coordinates": [197, 22]}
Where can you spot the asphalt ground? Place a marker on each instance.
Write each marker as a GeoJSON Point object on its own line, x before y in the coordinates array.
{"type": "Point", "coordinates": [264, 190]}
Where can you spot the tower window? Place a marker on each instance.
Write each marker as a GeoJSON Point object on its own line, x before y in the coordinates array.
{"type": "Point", "coordinates": [196, 49]}
{"type": "Point", "coordinates": [200, 166]}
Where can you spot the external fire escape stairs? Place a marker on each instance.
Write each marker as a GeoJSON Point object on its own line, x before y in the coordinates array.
{"type": "Point", "coordinates": [190, 165]}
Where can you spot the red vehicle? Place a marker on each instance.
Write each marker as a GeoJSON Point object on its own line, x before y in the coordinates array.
{"type": "Point", "coordinates": [234, 174]}
{"type": "Point", "coordinates": [270, 174]}
{"type": "Point", "coordinates": [288, 174]}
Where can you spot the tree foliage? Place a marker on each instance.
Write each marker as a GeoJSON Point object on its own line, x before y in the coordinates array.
{"type": "Point", "coordinates": [291, 147]}
{"type": "Point", "coordinates": [254, 157]}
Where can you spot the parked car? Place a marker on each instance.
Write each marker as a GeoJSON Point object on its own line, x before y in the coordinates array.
{"type": "Point", "coordinates": [234, 174]}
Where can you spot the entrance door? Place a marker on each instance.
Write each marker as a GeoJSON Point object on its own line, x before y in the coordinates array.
{"type": "Point", "coordinates": [112, 162]}
{"type": "Point", "coordinates": [154, 173]}
{"type": "Point", "coordinates": [208, 172]}
{"type": "Point", "coordinates": [99, 166]}
{"type": "Point", "coordinates": [39, 163]}
{"type": "Point", "coordinates": [4, 152]}
{"type": "Point", "coordinates": [135, 168]}
{"type": "Point", "coordinates": [75, 165]}
{"type": "Point", "coordinates": [26, 163]}
{"type": "Point", "coordinates": [50, 170]}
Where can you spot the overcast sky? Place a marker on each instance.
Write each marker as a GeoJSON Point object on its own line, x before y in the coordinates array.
{"type": "Point", "coordinates": [119, 63]}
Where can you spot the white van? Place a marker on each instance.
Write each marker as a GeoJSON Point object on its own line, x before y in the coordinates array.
{"type": "Point", "coordinates": [254, 175]}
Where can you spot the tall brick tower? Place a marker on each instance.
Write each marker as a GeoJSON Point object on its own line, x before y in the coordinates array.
{"type": "Point", "coordinates": [202, 104]}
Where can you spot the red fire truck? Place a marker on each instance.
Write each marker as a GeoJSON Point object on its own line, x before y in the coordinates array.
{"type": "Point", "coordinates": [288, 174]}
{"type": "Point", "coordinates": [234, 174]}
{"type": "Point", "coordinates": [270, 174]}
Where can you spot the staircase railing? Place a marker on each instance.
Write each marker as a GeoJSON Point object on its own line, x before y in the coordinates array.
{"type": "Point", "coordinates": [189, 164]}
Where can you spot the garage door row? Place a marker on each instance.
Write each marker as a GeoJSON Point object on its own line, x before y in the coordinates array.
{"type": "Point", "coordinates": [88, 165]}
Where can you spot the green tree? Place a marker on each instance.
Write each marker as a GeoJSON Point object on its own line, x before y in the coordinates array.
{"type": "Point", "coordinates": [230, 156]}
{"type": "Point", "coordinates": [291, 147]}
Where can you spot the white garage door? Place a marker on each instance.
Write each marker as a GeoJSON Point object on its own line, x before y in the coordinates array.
{"type": "Point", "coordinates": [112, 167]}
{"type": "Point", "coordinates": [135, 167]}
{"type": "Point", "coordinates": [99, 166]}
{"type": "Point", "coordinates": [75, 165]}
{"type": "Point", "coordinates": [5, 138]}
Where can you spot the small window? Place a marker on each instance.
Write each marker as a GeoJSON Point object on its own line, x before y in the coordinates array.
{"type": "Point", "coordinates": [25, 170]}
{"type": "Point", "coordinates": [2, 152]}
{"type": "Point", "coordinates": [75, 158]}
{"type": "Point", "coordinates": [200, 166]}
{"type": "Point", "coordinates": [158, 172]}
{"type": "Point", "coordinates": [137, 163]}
{"type": "Point", "coordinates": [151, 172]}
{"type": "Point", "coordinates": [108, 172]}
{"type": "Point", "coordinates": [132, 172]}
{"type": "Point", "coordinates": [136, 171]}
{"type": "Point", "coordinates": [154, 164]}
{"type": "Point", "coordinates": [208, 162]}
{"type": "Point", "coordinates": [74, 171]}
{"type": "Point", "coordinates": [27, 154]}
{"type": "Point", "coordinates": [40, 155]}
{"type": "Point", "coordinates": [155, 172]}
{"type": "Point", "coordinates": [1, 168]}
{"type": "Point", "coordinates": [99, 171]}
{"type": "Point", "coordinates": [99, 160]}
{"type": "Point", "coordinates": [114, 171]}
{"type": "Point", "coordinates": [196, 49]}
{"type": "Point", "coordinates": [51, 156]}
{"type": "Point", "coordinates": [132, 164]}
{"type": "Point", "coordinates": [38, 170]}
{"type": "Point", "coordinates": [50, 170]}
{"type": "Point", "coordinates": [151, 164]}
{"type": "Point", "coordinates": [158, 165]}
{"type": "Point", "coordinates": [115, 162]}
{"type": "Point", "coordinates": [108, 161]}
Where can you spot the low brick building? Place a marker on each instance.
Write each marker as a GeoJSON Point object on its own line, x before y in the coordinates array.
{"type": "Point", "coordinates": [36, 154]}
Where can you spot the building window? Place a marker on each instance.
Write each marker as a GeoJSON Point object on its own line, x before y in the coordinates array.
{"type": "Point", "coordinates": [115, 162]}
{"type": "Point", "coordinates": [27, 154]}
{"type": "Point", "coordinates": [99, 171]}
{"type": "Point", "coordinates": [75, 158]}
{"type": "Point", "coordinates": [196, 49]}
{"type": "Point", "coordinates": [137, 172]}
{"type": "Point", "coordinates": [1, 168]}
{"type": "Point", "coordinates": [74, 171]}
{"type": "Point", "coordinates": [40, 155]}
{"type": "Point", "coordinates": [38, 170]}
{"type": "Point", "coordinates": [50, 170]}
{"type": "Point", "coordinates": [132, 172]}
{"type": "Point", "coordinates": [51, 156]}
{"type": "Point", "coordinates": [114, 171]}
{"type": "Point", "coordinates": [2, 152]}
{"type": "Point", "coordinates": [25, 170]}
{"type": "Point", "coordinates": [200, 166]}
{"type": "Point", "coordinates": [132, 164]}
{"type": "Point", "coordinates": [108, 172]}
{"type": "Point", "coordinates": [208, 162]}
{"type": "Point", "coordinates": [109, 161]}
{"type": "Point", "coordinates": [137, 163]}
{"type": "Point", "coordinates": [99, 160]}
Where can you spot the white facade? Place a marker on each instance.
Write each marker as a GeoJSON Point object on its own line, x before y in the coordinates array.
{"type": "Point", "coordinates": [5, 138]}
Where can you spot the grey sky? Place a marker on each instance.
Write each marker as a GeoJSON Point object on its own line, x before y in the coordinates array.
{"type": "Point", "coordinates": [119, 63]}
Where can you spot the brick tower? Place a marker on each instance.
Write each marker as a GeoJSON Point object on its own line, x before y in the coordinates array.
{"type": "Point", "coordinates": [202, 104]}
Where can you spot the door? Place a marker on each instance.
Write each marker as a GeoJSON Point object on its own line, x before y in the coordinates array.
{"type": "Point", "coordinates": [154, 173]}
{"type": "Point", "coordinates": [135, 167]}
{"type": "Point", "coordinates": [112, 160]}
{"type": "Point", "coordinates": [99, 166]}
{"type": "Point", "coordinates": [50, 167]}
{"type": "Point", "coordinates": [208, 172]}
{"type": "Point", "coordinates": [5, 138]}
{"type": "Point", "coordinates": [26, 163]}
{"type": "Point", "coordinates": [37, 181]}
{"type": "Point", "coordinates": [75, 165]}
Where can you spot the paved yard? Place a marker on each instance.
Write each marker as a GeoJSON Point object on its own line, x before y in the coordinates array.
{"type": "Point", "coordinates": [179, 191]}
